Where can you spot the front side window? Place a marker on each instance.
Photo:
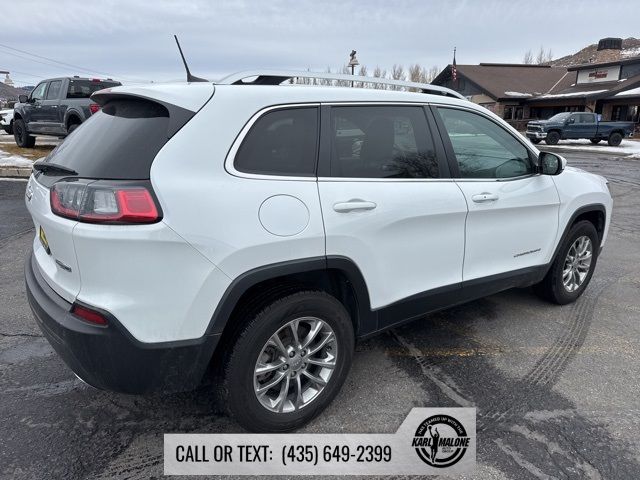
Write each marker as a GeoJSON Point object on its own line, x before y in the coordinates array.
{"type": "Point", "coordinates": [381, 142]}
{"type": "Point", "coordinates": [281, 142]}
{"type": "Point", "coordinates": [38, 92]}
{"type": "Point", "coordinates": [484, 149]}
{"type": "Point", "coordinates": [54, 90]}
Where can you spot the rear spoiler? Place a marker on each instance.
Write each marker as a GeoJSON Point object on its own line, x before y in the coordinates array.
{"type": "Point", "coordinates": [178, 115]}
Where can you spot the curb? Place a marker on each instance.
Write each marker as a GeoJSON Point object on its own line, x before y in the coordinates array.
{"type": "Point", "coordinates": [15, 172]}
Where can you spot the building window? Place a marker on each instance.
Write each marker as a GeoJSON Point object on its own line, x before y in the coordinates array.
{"type": "Point", "coordinates": [519, 113]}
{"type": "Point", "coordinates": [508, 112]}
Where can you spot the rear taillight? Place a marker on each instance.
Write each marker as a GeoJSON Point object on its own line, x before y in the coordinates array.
{"type": "Point", "coordinates": [89, 315]}
{"type": "Point", "coordinates": [94, 107]}
{"type": "Point", "coordinates": [104, 202]}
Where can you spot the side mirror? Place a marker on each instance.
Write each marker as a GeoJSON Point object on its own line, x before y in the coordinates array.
{"type": "Point", "coordinates": [551, 164]}
{"type": "Point", "coordinates": [570, 121]}
{"type": "Point", "coordinates": [23, 98]}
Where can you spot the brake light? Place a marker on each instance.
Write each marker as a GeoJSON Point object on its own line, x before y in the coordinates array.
{"type": "Point", "coordinates": [89, 315]}
{"type": "Point", "coordinates": [94, 107]}
{"type": "Point", "coordinates": [104, 202]}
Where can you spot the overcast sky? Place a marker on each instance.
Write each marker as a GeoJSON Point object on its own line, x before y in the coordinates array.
{"type": "Point", "coordinates": [132, 39]}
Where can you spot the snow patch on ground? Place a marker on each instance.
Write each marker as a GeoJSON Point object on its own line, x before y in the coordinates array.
{"type": "Point", "coordinates": [7, 160]}
{"type": "Point", "coordinates": [630, 148]}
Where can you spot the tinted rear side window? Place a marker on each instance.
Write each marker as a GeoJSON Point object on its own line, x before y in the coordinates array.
{"type": "Point", "coordinates": [84, 88]}
{"type": "Point", "coordinates": [118, 142]}
{"type": "Point", "coordinates": [281, 142]}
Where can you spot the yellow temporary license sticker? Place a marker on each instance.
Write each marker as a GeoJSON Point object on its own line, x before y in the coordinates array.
{"type": "Point", "coordinates": [43, 241]}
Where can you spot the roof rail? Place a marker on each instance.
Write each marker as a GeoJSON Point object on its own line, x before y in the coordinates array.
{"type": "Point", "coordinates": [276, 77]}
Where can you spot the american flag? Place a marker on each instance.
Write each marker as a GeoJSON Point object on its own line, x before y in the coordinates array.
{"type": "Point", "coordinates": [454, 68]}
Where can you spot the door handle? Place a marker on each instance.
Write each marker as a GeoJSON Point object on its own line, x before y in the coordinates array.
{"type": "Point", "coordinates": [351, 205]}
{"type": "Point", "coordinates": [484, 197]}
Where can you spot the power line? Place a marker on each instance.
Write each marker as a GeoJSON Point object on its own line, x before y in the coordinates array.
{"type": "Point", "coordinates": [12, 71]}
{"type": "Point", "coordinates": [32, 60]}
{"type": "Point", "coordinates": [68, 65]}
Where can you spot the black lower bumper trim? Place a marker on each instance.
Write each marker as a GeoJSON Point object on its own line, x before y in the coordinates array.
{"type": "Point", "coordinates": [109, 357]}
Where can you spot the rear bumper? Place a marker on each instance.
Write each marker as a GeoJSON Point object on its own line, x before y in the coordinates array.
{"type": "Point", "coordinates": [109, 357]}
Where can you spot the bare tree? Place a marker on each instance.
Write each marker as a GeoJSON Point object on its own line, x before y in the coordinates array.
{"type": "Point", "coordinates": [363, 73]}
{"type": "Point", "coordinates": [346, 70]}
{"type": "Point", "coordinates": [528, 57]}
{"type": "Point", "coordinates": [379, 73]}
{"type": "Point", "coordinates": [544, 56]}
{"type": "Point", "coordinates": [397, 72]}
{"type": "Point", "coordinates": [431, 74]}
{"type": "Point", "coordinates": [416, 74]}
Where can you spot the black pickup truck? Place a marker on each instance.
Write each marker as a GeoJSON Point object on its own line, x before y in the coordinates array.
{"type": "Point", "coordinates": [55, 107]}
{"type": "Point", "coordinates": [569, 125]}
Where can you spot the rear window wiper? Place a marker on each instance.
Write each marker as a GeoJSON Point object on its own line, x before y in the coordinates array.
{"type": "Point", "coordinates": [45, 167]}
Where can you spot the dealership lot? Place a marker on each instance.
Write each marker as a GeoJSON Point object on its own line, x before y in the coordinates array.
{"type": "Point", "coordinates": [556, 387]}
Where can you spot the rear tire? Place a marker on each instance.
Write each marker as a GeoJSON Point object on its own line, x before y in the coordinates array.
{"type": "Point", "coordinates": [552, 138]}
{"type": "Point", "coordinates": [557, 286]}
{"type": "Point", "coordinates": [21, 135]}
{"type": "Point", "coordinates": [255, 342]}
{"type": "Point", "coordinates": [615, 139]}
{"type": "Point", "coordinates": [595, 140]}
{"type": "Point", "coordinates": [72, 127]}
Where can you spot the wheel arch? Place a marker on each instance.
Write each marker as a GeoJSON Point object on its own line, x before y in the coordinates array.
{"type": "Point", "coordinates": [596, 213]}
{"type": "Point", "coordinates": [72, 117]}
{"type": "Point", "coordinates": [338, 276]}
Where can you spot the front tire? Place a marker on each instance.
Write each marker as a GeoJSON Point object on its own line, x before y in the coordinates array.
{"type": "Point", "coordinates": [615, 139]}
{"type": "Point", "coordinates": [535, 141]}
{"type": "Point", "coordinates": [289, 362]}
{"type": "Point", "coordinates": [21, 135]}
{"type": "Point", "coordinates": [595, 140]}
{"type": "Point", "coordinates": [573, 267]}
{"type": "Point", "coordinates": [552, 138]}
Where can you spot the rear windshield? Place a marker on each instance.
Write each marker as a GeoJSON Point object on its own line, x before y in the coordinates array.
{"type": "Point", "coordinates": [118, 142]}
{"type": "Point", "coordinates": [84, 88]}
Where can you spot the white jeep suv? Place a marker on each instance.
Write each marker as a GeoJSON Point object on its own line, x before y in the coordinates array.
{"type": "Point", "coordinates": [252, 230]}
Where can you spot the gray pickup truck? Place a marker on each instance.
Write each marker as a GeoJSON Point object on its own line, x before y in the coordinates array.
{"type": "Point", "coordinates": [569, 125]}
{"type": "Point", "coordinates": [55, 107]}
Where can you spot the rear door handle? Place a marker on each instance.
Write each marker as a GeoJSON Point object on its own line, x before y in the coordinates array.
{"type": "Point", "coordinates": [351, 205]}
{"type": "Point", "coordinates": [485, 197]}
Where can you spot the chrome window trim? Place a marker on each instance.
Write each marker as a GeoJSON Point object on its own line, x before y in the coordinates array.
{"type": "Point", "coordinates": [235, 146]}
{"type": "Point", "coordinates": [493, 120]}
{"type": "Point", "coordinates": [395, 180]}
{"type": "Point", "coordinates": [230, 158]}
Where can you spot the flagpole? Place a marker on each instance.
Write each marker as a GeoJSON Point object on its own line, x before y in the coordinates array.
{"type": "Point", "coordinates": [454, 71]}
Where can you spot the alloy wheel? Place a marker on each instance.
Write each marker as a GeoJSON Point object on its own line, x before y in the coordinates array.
{"type": "Point", "coordinates": [295, 365]}
{"type": "Point", "coordinates": [577, 263]}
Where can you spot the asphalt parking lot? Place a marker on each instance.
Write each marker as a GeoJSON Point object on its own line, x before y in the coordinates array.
{"type": "Point", "coordinates": [557, 388]}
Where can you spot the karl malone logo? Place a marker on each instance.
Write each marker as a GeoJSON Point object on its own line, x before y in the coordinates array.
{"type": "Point", "coordinates": [440, 441]}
